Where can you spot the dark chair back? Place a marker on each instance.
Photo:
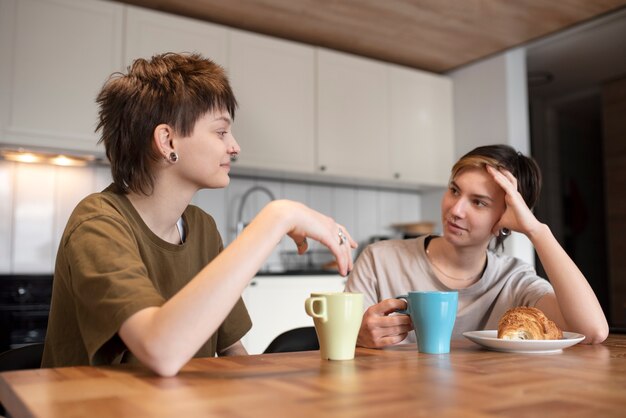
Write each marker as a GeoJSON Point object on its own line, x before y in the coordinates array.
{"type": "Point", "coordinates": [26, 357]}
{"type": "Point", "coordinates": [298, 339]}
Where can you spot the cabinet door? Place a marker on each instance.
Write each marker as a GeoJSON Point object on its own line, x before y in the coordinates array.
{"type": "Point", "coordinates": [274, 84]}
{"type": "Point", "coordinates": [276, 305]}
{"type": "Point", "coordinates": [57, 56]}
{"type": "Point", "coordinates": [352, 116]}
{"type": "Point", "coordinates": [149, 33]}
{"type": "Point", "coordinates": [421, 128]}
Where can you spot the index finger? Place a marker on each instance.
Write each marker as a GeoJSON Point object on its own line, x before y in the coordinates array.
{"type": "Point", "coordinates": [387, 306]}
{"type": "Point", "coordinates": [509, 184]}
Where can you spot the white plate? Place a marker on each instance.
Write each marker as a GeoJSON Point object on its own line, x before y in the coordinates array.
{"type": "Point", "coordinates": [489, 339]}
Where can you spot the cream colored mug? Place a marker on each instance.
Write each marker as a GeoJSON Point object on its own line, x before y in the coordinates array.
{"type": "Point", "coordinates": [337, 317]}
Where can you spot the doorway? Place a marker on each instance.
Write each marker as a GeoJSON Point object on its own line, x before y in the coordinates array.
{"type": "Point", "coordinates": [567, 75]}
{"type": "Point", "coordinates": [572, 200]}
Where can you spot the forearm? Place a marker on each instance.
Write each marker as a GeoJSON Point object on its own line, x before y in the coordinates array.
{"type": "Point", "coordinates": [166, 338]}
{"type": "Point", "coordinates": [577, 303]}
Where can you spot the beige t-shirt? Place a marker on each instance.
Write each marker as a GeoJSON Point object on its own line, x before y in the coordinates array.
{"type": "Point", "coordinates": [388, 269]}
{"type": "Point", "coordinates": [109, 266]}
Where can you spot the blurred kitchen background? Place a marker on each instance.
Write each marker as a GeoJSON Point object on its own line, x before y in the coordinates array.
{"type": "Point", "coordinates": [37, 199]}
{"type": "Point", "coordinates": [359, 120]}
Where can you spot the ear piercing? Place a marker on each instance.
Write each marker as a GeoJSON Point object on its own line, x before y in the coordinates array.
{"type": "Point", "coordinates": [173, 157]}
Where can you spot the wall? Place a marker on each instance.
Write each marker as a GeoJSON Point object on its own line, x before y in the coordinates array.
{"type": "Point", "coordinates": [491, 107]}
{"type": "Point", "coordinates": [36, 201]}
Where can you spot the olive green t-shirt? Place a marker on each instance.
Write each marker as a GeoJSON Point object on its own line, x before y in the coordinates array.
{"type": "Point", "coordinates": [109, 266]}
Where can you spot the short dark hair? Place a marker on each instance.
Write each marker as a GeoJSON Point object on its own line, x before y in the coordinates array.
{"type": "Point", "coordinates": [174, 89]}
{"type": "Point", "coordinates": [525, 170]}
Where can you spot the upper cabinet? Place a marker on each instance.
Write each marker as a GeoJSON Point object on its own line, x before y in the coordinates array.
{"type": "Point", "coordinates": [383, 122]}
{"type": "Point", "coordinates": [352, 116]}
{"type": "Point", "coordinates": [304, 113]}
{"type": "Point", "coordinates": [274, 83]}
{"type": "Point", "coordinates": [57, 55]}
{"type": "Point", "coordinates": [421, 134]}
{"type": "Point", "coordinates": [149, 33]}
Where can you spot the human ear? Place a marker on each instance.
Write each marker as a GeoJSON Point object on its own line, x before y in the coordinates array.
{"type": "Point", "coordinates": [162, 138]}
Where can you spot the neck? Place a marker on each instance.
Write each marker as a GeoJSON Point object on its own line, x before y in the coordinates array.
{"type": "Point", "coordinates": [458, 257]}
{"type": "Point", "coordinates": [161, 210]}
{"type": "Point", "coordinates": [457, 266]}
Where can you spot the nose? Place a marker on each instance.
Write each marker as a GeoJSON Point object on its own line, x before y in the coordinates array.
{"type": "Point", "coordinates": [234, 149]}
{"type": "Point", "coordinates": [458, 209]}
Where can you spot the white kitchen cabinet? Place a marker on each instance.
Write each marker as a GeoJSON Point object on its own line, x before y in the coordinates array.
{"type": "Point", "coordinates": [57, 55]}
{"type": "Point", "coordinates": [421, 135]}
{"type": "Point", "coordinates": [149, 32]}
{"type": "Point", "coordinates": [383, 122]}
{"type": "Point", "coordinates": [274, 83]}
{"type": "Point", "coordinates": [352, 114]}
{"type": "Point", "coordinates": [276, 304]}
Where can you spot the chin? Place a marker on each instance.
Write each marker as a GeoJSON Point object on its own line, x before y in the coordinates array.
{"type": "Point", "coordinates": [217, 183]}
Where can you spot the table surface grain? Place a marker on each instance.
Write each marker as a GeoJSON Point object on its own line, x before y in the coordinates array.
{"type": "Point", "coordinates": [581, 381]}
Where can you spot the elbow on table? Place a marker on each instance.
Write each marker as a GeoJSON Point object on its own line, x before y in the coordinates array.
{"type": "Point", "coordinates": [162, 363]}
{"type": "Point", "coordinates": [597, 335]}
{"type": "Point", "coordinates": [164, 367]}
{"type": "Point", "coordinates": [166, 370]}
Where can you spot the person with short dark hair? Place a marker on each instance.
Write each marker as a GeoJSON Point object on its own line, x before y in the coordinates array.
{"type": "Point", "coordinates": [141, 275]}
{"type": "Point", "coordinates": [491, 192]}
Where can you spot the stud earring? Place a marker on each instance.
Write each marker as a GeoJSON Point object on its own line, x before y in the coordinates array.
{"type": "Point", "coordinates": [173, 157]}
{"type": "Point", "coordinates": [505, 231]}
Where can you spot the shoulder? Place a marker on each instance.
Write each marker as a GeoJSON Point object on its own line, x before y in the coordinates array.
{"type": "Point", "coordinates": [506, 260]}
{"type": "Point", "coordinates": [395, 246]}
{"type": "Point", "coordinates": [392, 252]}
{"type": "Point", "coordinates": [96, 208]}
{"type": "Point", "coordinates": [102, 204]}
{"type": "Point", "coordinates": [506, 265]}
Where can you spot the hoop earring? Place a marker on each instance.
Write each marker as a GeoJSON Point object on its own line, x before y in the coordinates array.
{"type": "Point", "coordinates": [173, 157]}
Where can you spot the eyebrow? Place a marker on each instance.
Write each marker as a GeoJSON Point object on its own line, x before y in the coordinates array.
{"type": "Point", "coordinates": [223, 118]}
{"type": "Point", "coordinates": [479, 196]}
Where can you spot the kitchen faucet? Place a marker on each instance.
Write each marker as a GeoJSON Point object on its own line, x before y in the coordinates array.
{"type": "Point", "coordinates": [244, 198]}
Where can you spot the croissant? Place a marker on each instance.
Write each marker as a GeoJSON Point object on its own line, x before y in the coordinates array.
{"type": "Point", "coordinates": [525, 323]}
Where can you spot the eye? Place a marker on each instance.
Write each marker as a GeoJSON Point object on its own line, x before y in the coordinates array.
{"type": "Point", "coordinates": [454, 191]}
{"type": "Point", "coordinates": [221, 134]}
{"type": "Point", "coordinates": [480, 203]}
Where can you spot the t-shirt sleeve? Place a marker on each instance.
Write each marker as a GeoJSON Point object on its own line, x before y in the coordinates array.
{"type": "Point", "coordinates": [363, 279]}
{"type": "Point", "coordinates": [234, 327]}
{"type": "Point", "coordinates": [110, 283]}
{"type": "Point", "coordinates": [527, 287]}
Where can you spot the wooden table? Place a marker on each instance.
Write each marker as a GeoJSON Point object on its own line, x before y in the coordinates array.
{"type": "Point", "coordinates": [582, 381]}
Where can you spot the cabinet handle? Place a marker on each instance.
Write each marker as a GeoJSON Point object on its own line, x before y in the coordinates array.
{"type": "Point", "coordinates": [234, 158]}
{"type": "Point", "coordinates": [322, 168]}
{"type": "Point", "coordinates": [253, 283]}
{"type": "Point", "coordinates": [396, 175]}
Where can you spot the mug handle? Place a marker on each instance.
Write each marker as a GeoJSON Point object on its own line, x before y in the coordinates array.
{"type": "Point", "coordinates": [310, 310]}
{"type": "Point", "coordinates": [403, 311]}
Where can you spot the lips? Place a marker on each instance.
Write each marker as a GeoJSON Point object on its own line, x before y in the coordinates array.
{"type": "Point", "coordinates": [455, 227]}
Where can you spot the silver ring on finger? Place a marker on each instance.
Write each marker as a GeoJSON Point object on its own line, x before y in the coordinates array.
{"type": "Point", "coordinates": [342, 237]}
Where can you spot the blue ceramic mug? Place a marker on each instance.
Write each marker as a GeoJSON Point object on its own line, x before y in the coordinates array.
{"type": "Point", "coordinates": [433, 315]}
